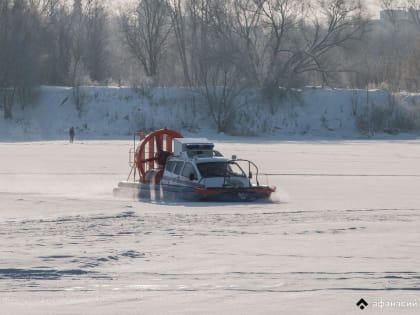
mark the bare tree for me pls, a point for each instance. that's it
(345, 23)
(5, 55)
(217, 72)
(146, 33)
(390, 12)
(78, 48)
(302, 43)
(20, 53)
(247, 26)
(57, 43)
(413, 69)
(281, 19)
(414, 11)
(180, 26)
(220, 91)
(95, 56)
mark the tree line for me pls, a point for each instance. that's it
(218, 47)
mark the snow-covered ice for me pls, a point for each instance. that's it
(344, 225)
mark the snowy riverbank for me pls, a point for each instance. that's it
(112, 112)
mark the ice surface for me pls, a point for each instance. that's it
(345, 226)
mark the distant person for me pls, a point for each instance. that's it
(71, 134)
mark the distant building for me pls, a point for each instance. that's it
(400, 16)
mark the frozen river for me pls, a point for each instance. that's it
(344, 225)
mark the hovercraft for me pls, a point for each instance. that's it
(167, 166)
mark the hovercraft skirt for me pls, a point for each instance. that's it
(163, 192)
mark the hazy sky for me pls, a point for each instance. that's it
(373, 5)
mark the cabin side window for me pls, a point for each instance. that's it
(178, 167)
(170, 166)
(189, 171)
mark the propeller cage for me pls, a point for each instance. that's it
(154, 150)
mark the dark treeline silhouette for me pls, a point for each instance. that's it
(218, 47)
